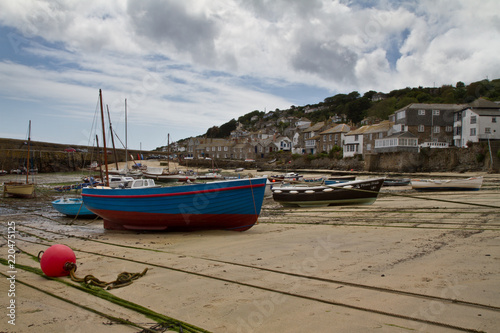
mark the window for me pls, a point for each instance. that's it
(437, 129)
(356, 137)
(435, 112)
(421, 112)
(368, 147)
(472, 132)
(421, 128)
(449, 129)
(401, 115)
(493, 119)
(487, 130)
(473, 119)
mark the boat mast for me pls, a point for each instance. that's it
(104, 139)
(112, 139)
(99, 157)
(126, 137)
(28, 160)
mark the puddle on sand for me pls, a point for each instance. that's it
(38, 205)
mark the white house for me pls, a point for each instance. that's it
(478, 122)
(353, 142)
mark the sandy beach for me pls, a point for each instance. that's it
(409, 262)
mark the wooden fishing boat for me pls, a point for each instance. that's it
(397, 181)
(468, 184)
(357, 192)
(17, 188)
(230, 204)
(72, 207)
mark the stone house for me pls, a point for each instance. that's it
(331, 137)
(430, 123)
(242, 151)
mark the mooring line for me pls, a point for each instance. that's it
(380, 289)
(310, 298)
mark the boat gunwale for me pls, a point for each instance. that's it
(173, 194)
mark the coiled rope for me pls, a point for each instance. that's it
(122, 280)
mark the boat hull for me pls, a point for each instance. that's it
(72, 207)
(469, 184)
(350, 193)
(232, 205)
(20, 190)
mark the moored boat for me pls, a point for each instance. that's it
(339, 179)
(72, 207)
(397, 181)
(230, 204)
(358, 192)
(210, 176)
(21, 189)
(467, 184)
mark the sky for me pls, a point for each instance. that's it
(184, 66)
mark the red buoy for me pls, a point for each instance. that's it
(53, 260)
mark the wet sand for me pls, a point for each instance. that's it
(401, 264)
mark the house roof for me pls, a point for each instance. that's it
(340, 128)
(433, 106)
(383, 126)
(315, 127)
(482, 103)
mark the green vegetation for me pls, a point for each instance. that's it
(355, 107)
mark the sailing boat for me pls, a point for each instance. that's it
(125, 172)
(20, 189)
(164, 174)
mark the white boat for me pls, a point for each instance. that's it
(129, 182)
(468, 184)
(210, 176)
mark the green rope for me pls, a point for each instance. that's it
(122, 280)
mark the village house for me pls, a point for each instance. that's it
(432, 124)
(331, 137)
(302, 123)
(362, 140)
(479, 121)
(243, 151)
(311, 135)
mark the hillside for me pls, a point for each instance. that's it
(353, 107)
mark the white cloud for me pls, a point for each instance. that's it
(194, 56)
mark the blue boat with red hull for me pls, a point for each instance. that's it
(230, 205)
